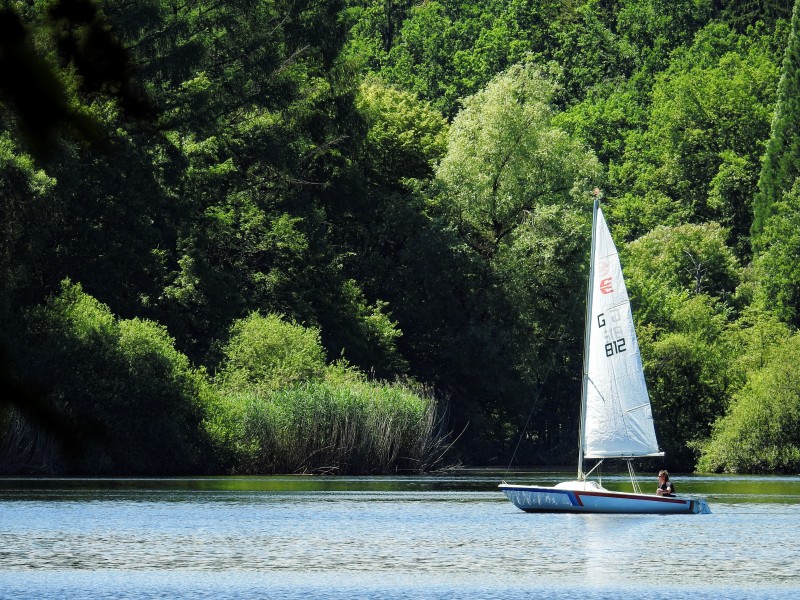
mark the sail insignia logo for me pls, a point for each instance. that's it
(605, 286)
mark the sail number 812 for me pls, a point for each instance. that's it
(615, 347)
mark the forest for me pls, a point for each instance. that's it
(352, 236)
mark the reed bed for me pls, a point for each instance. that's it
(323, 426)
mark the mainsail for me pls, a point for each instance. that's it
(617, 418)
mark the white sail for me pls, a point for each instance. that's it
(618, 420)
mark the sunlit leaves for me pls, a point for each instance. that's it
(266, 353)
(504, 157)
(690, 258)
(406, 137)
(761, 431)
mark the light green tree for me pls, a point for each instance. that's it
(505, 157)
(761, 431)
(265, 353)
(406, 137)
(682, 261)
(517, 187)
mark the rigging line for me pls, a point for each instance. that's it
(634, 481)
(544, 381)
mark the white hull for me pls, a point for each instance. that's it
(598, 500)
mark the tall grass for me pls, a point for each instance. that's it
(280, 409)
(345, 426)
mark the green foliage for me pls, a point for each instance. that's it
(368, 336)
(752, 340)
(281, 164)
(504, 157)
(681, 280)
(266, 353)
(698, 158)
(376, 26)
(24, 194)
(331, 425)
(259, 128)
(447, 50)
(761, 431)
(239, 256)
(515, 185)
(656, 27)
(280, 409)
(420, 60)
(591, 52)
(683, 260)
(139, 399)
(405, 136)
(781, 164)
(537, 270)
(604, 119)
(777, 266)
(688, 378)
(746, 14)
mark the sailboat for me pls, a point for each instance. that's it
(616, 418)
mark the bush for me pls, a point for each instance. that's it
(267, 353)
(138, 400)
(761, 431)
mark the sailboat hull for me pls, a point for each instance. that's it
(598, 500)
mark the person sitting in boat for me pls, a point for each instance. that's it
(665, 487)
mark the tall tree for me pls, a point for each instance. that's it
(777, 266)
(505, 157)
(680, 280)
(782, 161)
(518, 188)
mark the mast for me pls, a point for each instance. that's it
(586, 335)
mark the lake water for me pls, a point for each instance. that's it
(338, 538)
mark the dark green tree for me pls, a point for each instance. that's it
(781, 165)
(657, 27)
(139, 401)
(777, 266)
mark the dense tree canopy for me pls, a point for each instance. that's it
(230, 229)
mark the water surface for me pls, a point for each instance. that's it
(449, 536)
